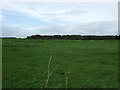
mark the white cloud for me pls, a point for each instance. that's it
(67, 12)
(86, 18)
(63, 0)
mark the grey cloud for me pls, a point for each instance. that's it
(32, 8)
(96, 28)
(15, 31)
(68, 12)
(74, 12)
(103, 28)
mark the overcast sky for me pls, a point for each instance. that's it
(50, 18)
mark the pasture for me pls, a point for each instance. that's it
(74, 63)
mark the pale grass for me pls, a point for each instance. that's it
(103, 84)
(48, 71)
(67, 75)
(66, 80)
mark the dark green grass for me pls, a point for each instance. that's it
(91, 63)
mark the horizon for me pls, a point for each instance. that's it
(59, 35)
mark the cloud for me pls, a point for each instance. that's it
(17, 31)
(75, 12)
(46, 11)
(97, 28)
(66, 12)
(63, 18)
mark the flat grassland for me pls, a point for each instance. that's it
(74, 63)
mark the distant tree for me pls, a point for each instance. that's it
(74, 37)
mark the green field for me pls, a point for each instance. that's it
(74, 63)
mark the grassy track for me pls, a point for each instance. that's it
(89, 63)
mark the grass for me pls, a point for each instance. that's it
(74, 64)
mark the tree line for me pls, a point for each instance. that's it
(75, 37)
